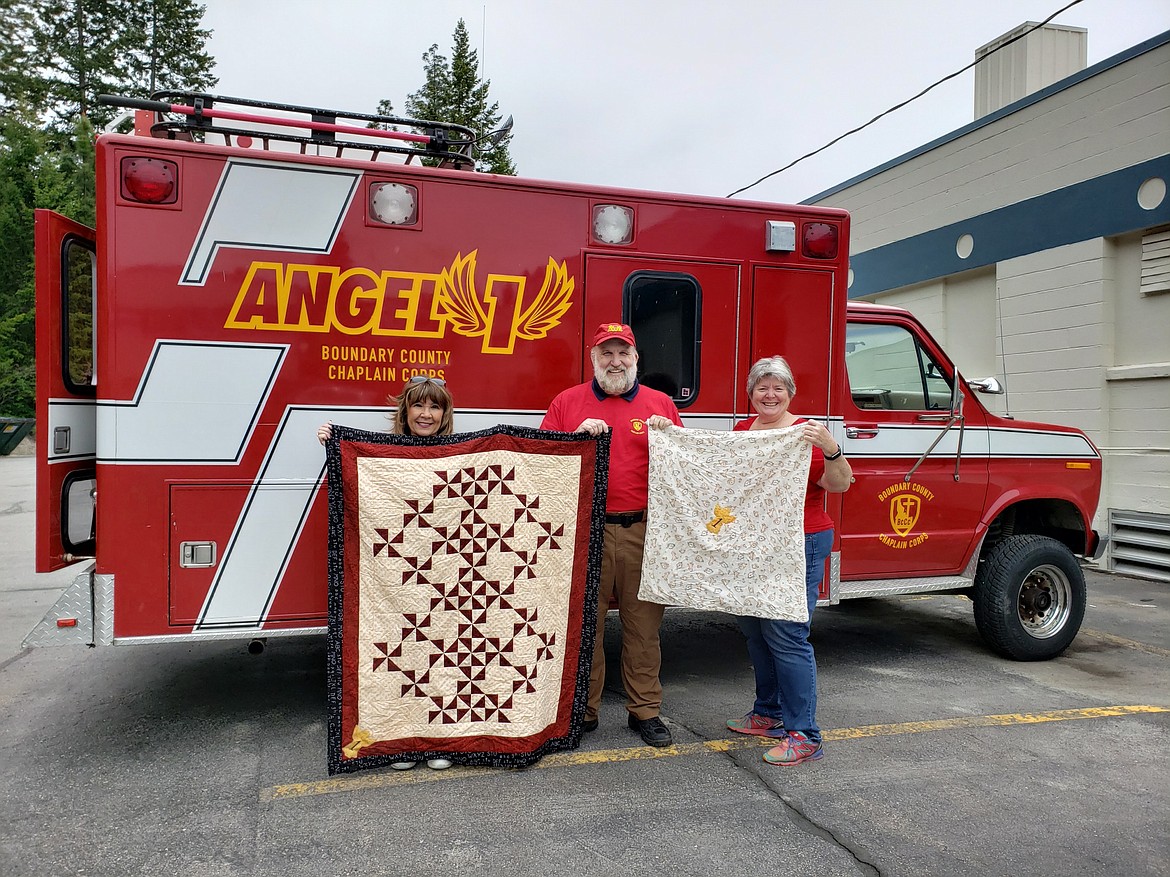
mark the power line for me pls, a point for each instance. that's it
(930, 87)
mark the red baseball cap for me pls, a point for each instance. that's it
(607, 331)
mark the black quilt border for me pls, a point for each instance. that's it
(336, 574)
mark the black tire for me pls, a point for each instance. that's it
(1029, 598)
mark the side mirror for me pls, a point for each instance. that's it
(991, 386)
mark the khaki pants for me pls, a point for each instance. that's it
(621, 574)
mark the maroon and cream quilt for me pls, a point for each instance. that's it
(463, 575)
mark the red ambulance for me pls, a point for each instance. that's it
(258, 269)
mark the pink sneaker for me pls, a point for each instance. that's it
(794, 748)
(754, 723)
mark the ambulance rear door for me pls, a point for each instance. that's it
(66, 410)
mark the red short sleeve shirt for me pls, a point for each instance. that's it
(629, 449)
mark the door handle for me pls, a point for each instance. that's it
(863, 431)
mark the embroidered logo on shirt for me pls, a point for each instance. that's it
(637, 426)
(722, 516)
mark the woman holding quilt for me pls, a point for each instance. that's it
(785, 668)
(424, 407)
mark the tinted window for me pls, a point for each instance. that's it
(663, 310)
(77, 513)
(889, 369)
(78, 276)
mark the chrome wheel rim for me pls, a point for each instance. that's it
(1045, 601)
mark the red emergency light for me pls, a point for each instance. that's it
(150, 180)
(819, 240)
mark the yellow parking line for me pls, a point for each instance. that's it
(636, 753)
(989, 721)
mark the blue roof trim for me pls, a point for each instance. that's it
(1037, 96)
(1100, 207)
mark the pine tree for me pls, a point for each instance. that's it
(453, 92)
(166, 48)
(76, 44)
(56, 56)
(20, 149)
(385, 108)
(84, 48)
(21, 88)
(65, 179)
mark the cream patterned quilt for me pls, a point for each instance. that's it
(725, 522)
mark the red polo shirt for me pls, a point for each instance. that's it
(629, 450)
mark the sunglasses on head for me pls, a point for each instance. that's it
(422, 379)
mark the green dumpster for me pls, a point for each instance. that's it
(12, 431)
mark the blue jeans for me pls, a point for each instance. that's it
(786, 670)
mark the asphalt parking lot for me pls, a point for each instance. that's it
(941, 758)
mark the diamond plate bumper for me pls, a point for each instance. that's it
(82, 615)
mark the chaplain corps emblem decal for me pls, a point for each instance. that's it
(904, 513)
(906, 499)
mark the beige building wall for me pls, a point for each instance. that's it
(1078, 345)
(1110, 121)
(1137, 387)
(1064, 324)
(1055, 337)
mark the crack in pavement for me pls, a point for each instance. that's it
(795, 815)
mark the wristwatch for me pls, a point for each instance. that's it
(840, 451)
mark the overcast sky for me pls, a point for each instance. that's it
(696, 96)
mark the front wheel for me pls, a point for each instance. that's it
(1029, 598)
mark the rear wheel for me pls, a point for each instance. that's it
(1029, 598)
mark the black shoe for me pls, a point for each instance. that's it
(589, 725)
(653, 732)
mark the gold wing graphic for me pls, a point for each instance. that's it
(456, 295)
(556, 297)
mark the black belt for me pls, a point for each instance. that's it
(626, 519)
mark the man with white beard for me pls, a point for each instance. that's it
(615, 400)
